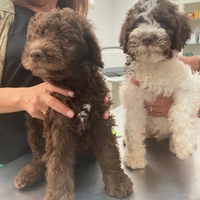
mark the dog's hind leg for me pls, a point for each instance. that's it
(117, 183)
(36, 169)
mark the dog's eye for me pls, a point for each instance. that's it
(162, 25)
(135, 26)
(62, 37)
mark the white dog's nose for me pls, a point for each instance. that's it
(147, 40)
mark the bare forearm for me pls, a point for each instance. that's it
(193, 61)
(10, 100)
(35, 100)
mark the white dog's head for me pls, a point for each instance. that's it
(153, 30)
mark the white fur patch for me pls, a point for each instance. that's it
(159, 71)
(170, 77)
(153, 53)
(82, 116)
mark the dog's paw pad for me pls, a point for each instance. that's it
(134, 162)
(118, 186)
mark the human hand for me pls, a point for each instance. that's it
(106, 113)
(36, 100)
(160, 107)
(192, 61)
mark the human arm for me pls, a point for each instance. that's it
(106, 113)
(35, 100)
(193, 61)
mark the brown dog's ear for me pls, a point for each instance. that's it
(92, 42)
(94, 49)
(182, 33)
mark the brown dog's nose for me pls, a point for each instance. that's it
(147, 40)
(36, 54)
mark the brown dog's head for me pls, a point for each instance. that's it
(58, 42)
(153, 29)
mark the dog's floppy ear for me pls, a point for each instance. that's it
(128, 25)
(91, 42)
(123, 38)
(94, 48)
(183, 31)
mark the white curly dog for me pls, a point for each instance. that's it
(152, 35)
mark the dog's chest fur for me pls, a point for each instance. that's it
(87, 103)
(170, 77)
(156, 78)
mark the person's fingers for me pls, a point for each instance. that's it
(42, 107)
(58, 106)
(157, 114)
(106, 114)
(36, 107)
(156, 111)
(40, 115)
(147, 104)
(64, 92)
(35, 113)
(55, 104)
(135, 81)
(107, 97)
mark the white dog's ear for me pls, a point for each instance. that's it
(129, 24)
(183, 31)
(123, 38)
(182, 25)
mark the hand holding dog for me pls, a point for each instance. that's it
(161, 106)
(36, 100)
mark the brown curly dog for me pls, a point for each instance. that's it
(62, 49)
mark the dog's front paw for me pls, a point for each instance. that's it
(183, 149)
(118, 184)
(58, 196)
(134, 161)
(28, 175)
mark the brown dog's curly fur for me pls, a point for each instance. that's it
(62, 49)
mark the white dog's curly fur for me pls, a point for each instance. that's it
(151, 36)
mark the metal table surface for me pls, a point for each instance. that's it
(164, 178)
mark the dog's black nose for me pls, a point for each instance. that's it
(36, 54)
(147, 40)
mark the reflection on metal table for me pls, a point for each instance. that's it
(164, 178)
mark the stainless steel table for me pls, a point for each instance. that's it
(164, 178)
